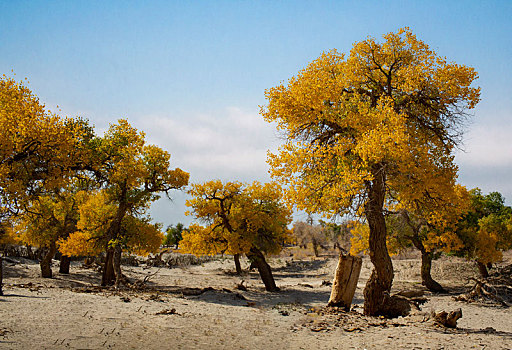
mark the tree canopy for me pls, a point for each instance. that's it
(238, 219)
(38, 149)
(132, 174)
(486, 229)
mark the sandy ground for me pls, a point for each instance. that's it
(199, 307)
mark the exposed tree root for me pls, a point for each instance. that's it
(484, 291)
(447, 319)
(495, 289)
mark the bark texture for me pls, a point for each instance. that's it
(257, 257)
(1, 274)
(448, 319)
(345, 281)
(426, 265)
(46, 262)
(426, 256)
(112, 268)
(237, 264)
(376, 292)
(64, 264)
(117, 264)
(108, 276)
(482, 268)
(426, 275)
(315, 248)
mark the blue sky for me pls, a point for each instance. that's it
(191, 74)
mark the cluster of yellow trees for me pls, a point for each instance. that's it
(63, 186)
(239, 219)
(370, 133)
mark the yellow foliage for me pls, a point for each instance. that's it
(393, 104)
(485, 230)
(238, 217)
(133, 175)
(7, 235)
(78, 244)
(359, 240)
(360, 233)
(51, 216)
(491, 234)
(37, 148)
(137, 235)
(143, 237)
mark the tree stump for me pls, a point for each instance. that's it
(345, 281)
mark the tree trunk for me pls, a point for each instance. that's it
(117, 264)
(426, 276)
(426, 265)
(376, 292)
(64, 264)
(315, 248)
(30, 253)
(345, 281)
(237, 264)
(46, 262)
(112, 269)
(257, 257)
(484, 273)
(108, 276)
(1, 274)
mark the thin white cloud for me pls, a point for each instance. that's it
(487, 145)
(487, 160)
(231, 146)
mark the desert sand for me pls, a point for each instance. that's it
(200, 307)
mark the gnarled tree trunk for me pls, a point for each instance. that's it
(376, 292)
(64, 264)
(482, 268)
(46, 262)
(315, 248)
(426, 276)
(1, 273)
(112, 268)
(117, 264)
(108, 276)
(345, 281)
(237, 264)
(257, 257)
(426, 266)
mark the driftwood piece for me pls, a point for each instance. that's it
(345, 281)
(167, 312)
(447, 319)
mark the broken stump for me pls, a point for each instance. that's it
(345, 281)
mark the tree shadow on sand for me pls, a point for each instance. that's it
(6, 296)
(465, 331)
(254, 298)
(17, 270)
(294, 266)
